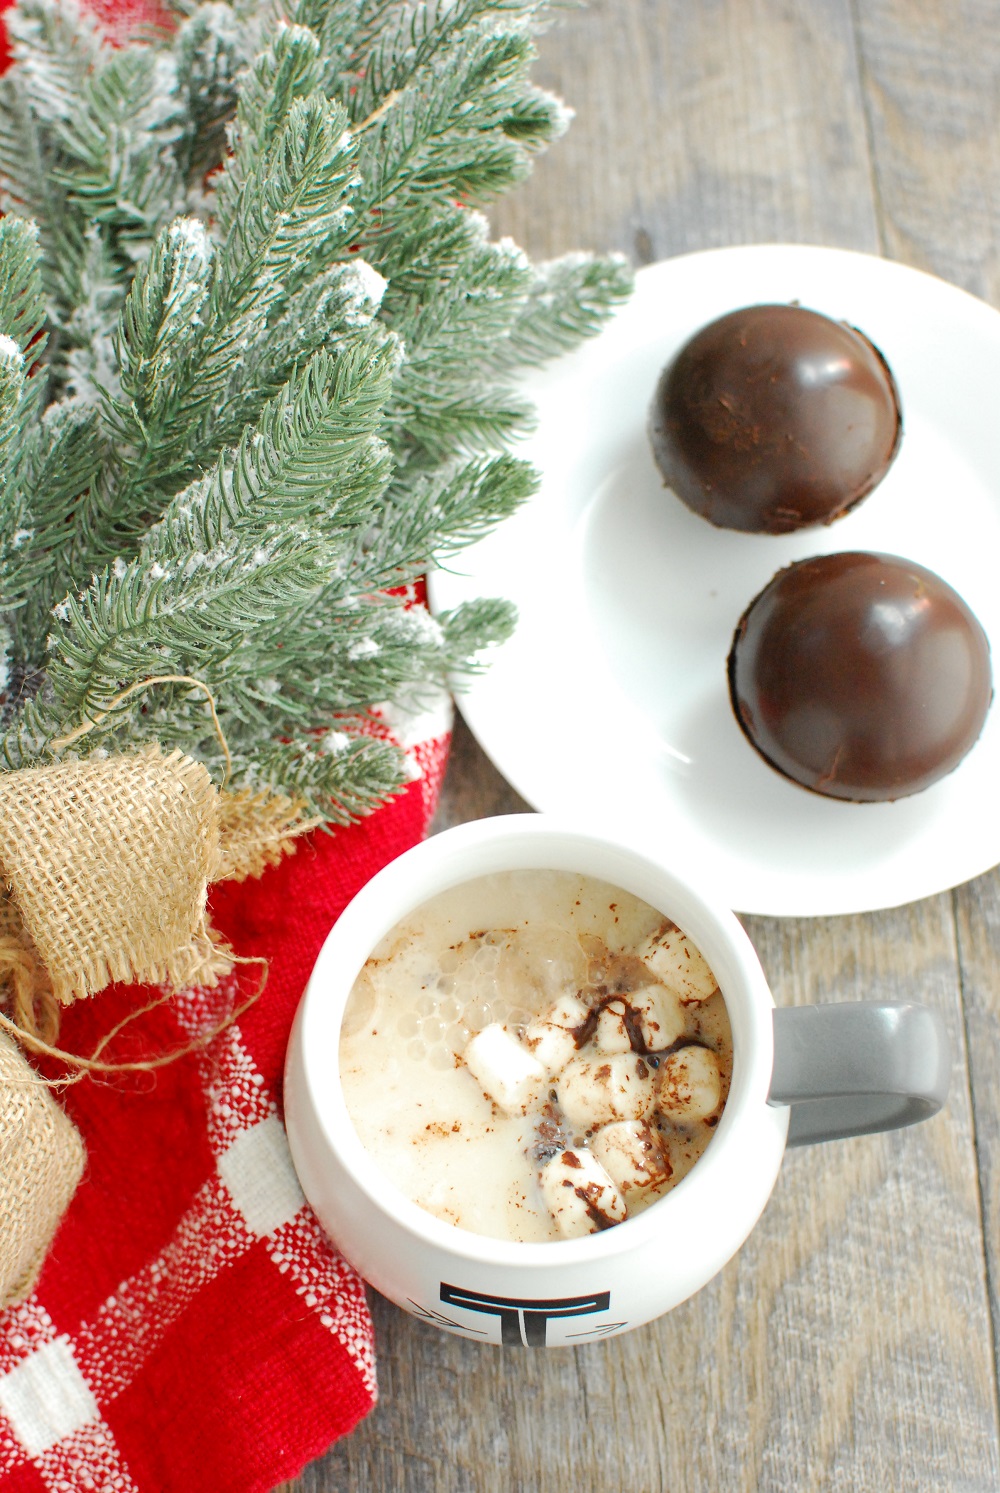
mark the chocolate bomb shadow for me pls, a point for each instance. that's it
(738, 799)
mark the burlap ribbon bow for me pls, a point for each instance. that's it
(104, 875)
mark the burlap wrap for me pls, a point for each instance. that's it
(108, 865)
(41, 1161)
(104, 874)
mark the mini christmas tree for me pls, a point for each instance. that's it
(258, 367)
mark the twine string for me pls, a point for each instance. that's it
(35, 1008)
(94, 1064)
(91, 722)
(33, 1019)
(389, 102)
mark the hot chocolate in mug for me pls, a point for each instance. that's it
(799, 1075)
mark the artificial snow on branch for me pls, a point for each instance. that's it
(258, 367)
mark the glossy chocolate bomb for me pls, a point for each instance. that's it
(861, 676)
(775, 418)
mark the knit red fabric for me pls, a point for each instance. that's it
(192, 1330)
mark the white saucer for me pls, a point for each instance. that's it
(610, 702)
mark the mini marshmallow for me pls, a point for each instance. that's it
(579, 1194)
(689, 1085)
(595, 1091)
(675, 960)
(632, 1154)
(550, 1039)
(508, 1074)
(611, 1033)
(660, 1015)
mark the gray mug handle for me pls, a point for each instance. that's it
(858, 1068)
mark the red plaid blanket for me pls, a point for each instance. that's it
(192, 1329)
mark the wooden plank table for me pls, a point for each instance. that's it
(852, 1345)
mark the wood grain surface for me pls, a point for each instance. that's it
(852, 1345)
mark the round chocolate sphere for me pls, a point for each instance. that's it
(860, 676)
(775, 418)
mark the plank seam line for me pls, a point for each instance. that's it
(865, 82)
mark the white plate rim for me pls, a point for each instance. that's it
(974, 847)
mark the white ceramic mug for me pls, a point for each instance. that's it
(798, 1075)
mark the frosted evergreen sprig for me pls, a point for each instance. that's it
(258, 364)
(287, 214)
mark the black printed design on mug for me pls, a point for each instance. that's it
(426, 1314)
(524, 1320)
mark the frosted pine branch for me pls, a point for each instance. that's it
(258, 366)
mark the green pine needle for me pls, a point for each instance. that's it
(258, 364)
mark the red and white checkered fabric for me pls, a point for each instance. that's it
(192, 1330)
